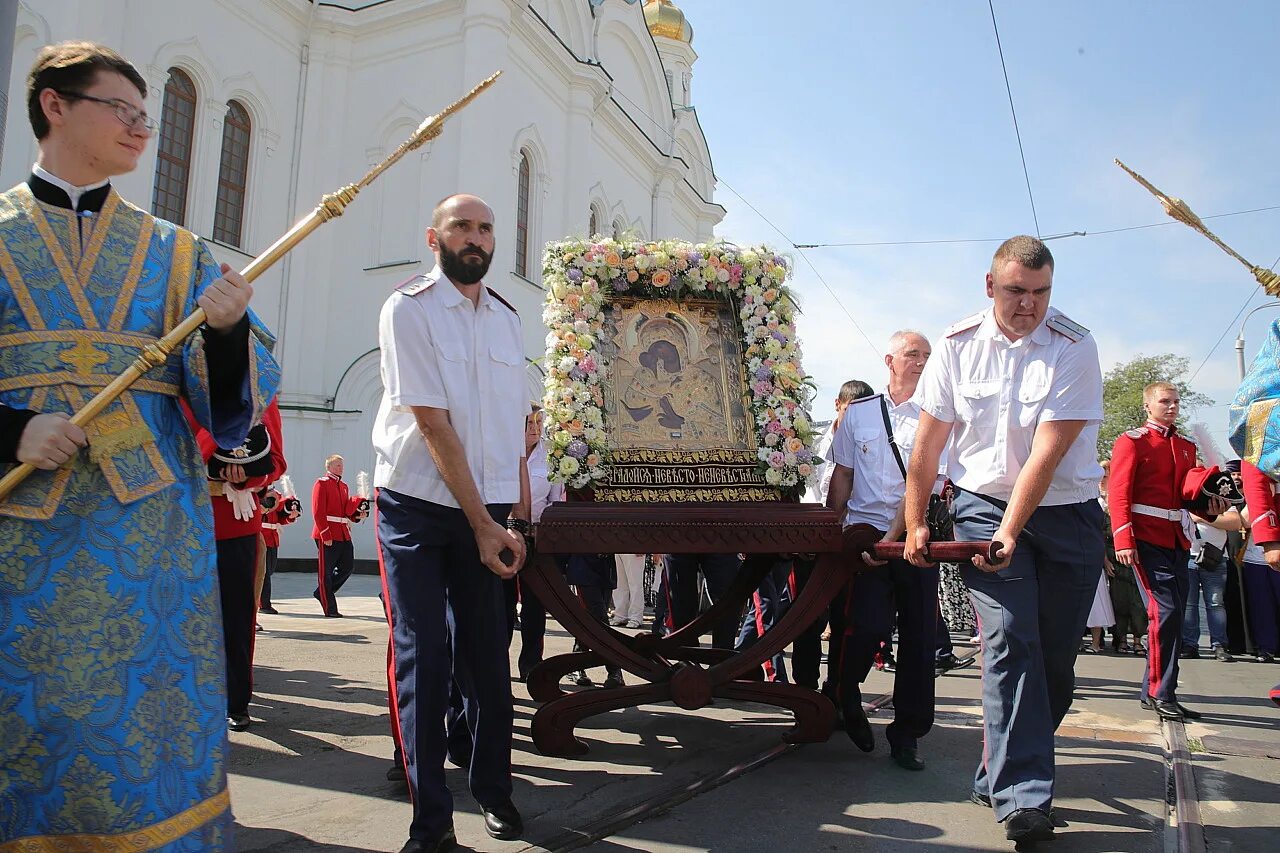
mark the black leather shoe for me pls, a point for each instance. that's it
(1028, 825)
(446, 841)
(858, 727)
(1189, 653)
(238, 722)
(979, 799)
(906, 758)
(613, 679)
(503, 821)
(396, 773)
(1168, 710)
(1187, 713)
(949, 661)
(333, 614)
(1147, 703)
(269, 609)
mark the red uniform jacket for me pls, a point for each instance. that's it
(225, 523)
(1263, 503)
(272, 522)
(1148, 467)
(333, 508)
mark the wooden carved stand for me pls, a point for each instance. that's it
(675, 668)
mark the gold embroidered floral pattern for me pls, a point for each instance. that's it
(20, 748)
(163, 730)
(79, 641)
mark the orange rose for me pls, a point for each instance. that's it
(612, 259)
(633, 276)
(661, 278)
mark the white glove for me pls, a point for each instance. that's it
(243, 503)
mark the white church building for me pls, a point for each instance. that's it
(266, 105)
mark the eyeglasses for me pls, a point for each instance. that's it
(129, 115)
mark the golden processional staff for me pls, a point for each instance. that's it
(331, 205)
(1177, 208)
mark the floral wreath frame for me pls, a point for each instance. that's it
(581, 278)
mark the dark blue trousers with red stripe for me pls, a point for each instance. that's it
(766, 607)
(1162, 572)
(448, 620)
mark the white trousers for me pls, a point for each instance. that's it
(628, 596)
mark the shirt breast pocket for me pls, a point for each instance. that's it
(978, 401)
(453, 351)
(1032, 393)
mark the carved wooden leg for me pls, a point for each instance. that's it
(554, 722)
(815, 715)
(828, 578)
(734, 599)
(544, 679)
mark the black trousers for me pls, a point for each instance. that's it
(237, 561)
(875, 595)
(720, 570)
(806, 651)
(272, 554)
(533, 625)
(335, 564)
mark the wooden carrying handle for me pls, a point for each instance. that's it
(940, 552)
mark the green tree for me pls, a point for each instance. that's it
(1122, 394)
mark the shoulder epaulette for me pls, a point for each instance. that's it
(963, 326)
(498, 296)
(1068, 328)
(415, 285)
(1136, 433)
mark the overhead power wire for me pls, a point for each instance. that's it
(1234, 321)
(1014, 112)
(1050, 237)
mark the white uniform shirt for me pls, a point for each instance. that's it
(541, 490)
(997, 392)
(440, 351)
(817, 493)
(1206, 533)
(862, 444)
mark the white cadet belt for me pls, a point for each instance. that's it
(269, 526)
(338, 518)
(1158, 512)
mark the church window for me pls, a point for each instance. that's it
(593, 224)
(233, 173)
(522, 215)
(618, 228)
(173, 152)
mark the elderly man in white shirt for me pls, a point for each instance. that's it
(868, 485)
(1015, 391)
(449, 439)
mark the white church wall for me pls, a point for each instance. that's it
(323, 115)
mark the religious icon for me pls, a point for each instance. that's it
(677, 378)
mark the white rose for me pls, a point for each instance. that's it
(773, 476)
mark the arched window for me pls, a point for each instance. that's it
(593, 224)
(522, 216)
(233, 174)
(173, 160)
(618, 228)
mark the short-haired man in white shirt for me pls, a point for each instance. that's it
(867, 485)
(449, 438)
(1015, 392)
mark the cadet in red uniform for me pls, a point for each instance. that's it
(284, 511)
(237, 521)
(333, 509)
(1262, 582)
(1149, 466)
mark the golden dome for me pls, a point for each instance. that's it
(666, 20)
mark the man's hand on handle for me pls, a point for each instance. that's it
(1005, 545)
(915, 550)
(49, 440)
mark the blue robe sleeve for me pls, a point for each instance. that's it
(229, 399)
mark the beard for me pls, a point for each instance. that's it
(467, 266)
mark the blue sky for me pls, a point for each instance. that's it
(865, 122)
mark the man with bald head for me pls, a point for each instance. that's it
(451, 484)
(868, 484)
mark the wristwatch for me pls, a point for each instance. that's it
(520, 526)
